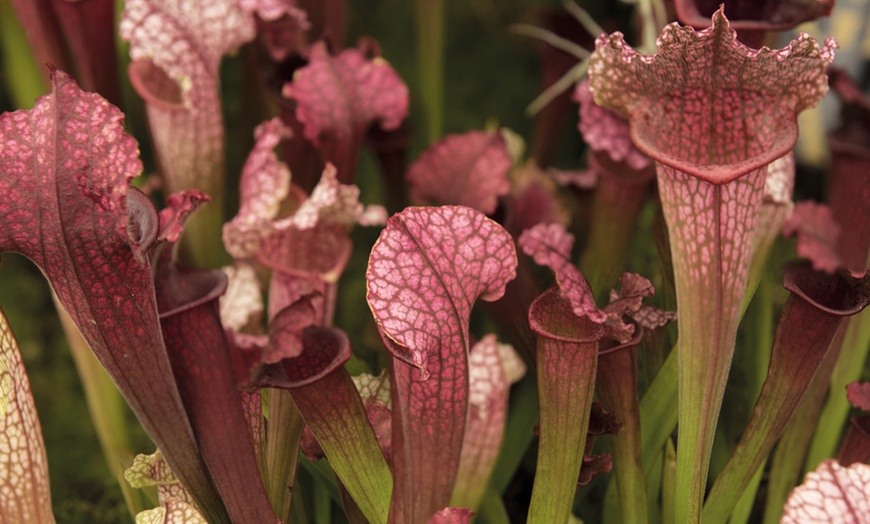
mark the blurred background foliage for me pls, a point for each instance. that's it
(490, 76)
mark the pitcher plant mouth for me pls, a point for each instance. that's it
(421, 412)
(713, 114)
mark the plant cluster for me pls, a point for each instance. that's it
(285, 363)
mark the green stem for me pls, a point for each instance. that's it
(615, 209)
(711, 258)
(617, 390)
(567, 359)
(21, 72)
(282, 450)
(333, 410)
(108, 411)
(430, 63)
(669, 472)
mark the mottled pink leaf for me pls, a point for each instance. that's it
(333, 203)
(176, 47)
(264, 184)
(489, 385)
(425, 272)
(171, 512)
(179, 207)
(831, 493)
(817, 234)
(452, 516)
(24, 489)
(713, 114)
(281, 25)
(727, 111)
(242, 304)
(550, 245)
(468, 170)
(64, 203)
(607, 131)
(338, 97)
(858, 394)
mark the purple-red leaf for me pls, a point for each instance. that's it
(64, 203)
(176, 47)
(765, 15)
(468, 170)
(338, 97)
(425, 272)
(203, 368)
(831, 493)
(817, 234)
(858, 394)
(281, 24)
(452, 516)
(24, 496)
(567, 359)
(849, 173)
(550, 245)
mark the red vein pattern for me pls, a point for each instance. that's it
(24, 489)
(725, 112)
(176, 47)
(831, 493)
(425, 272)
(467, 170)
(64, 203)
(713, 113)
